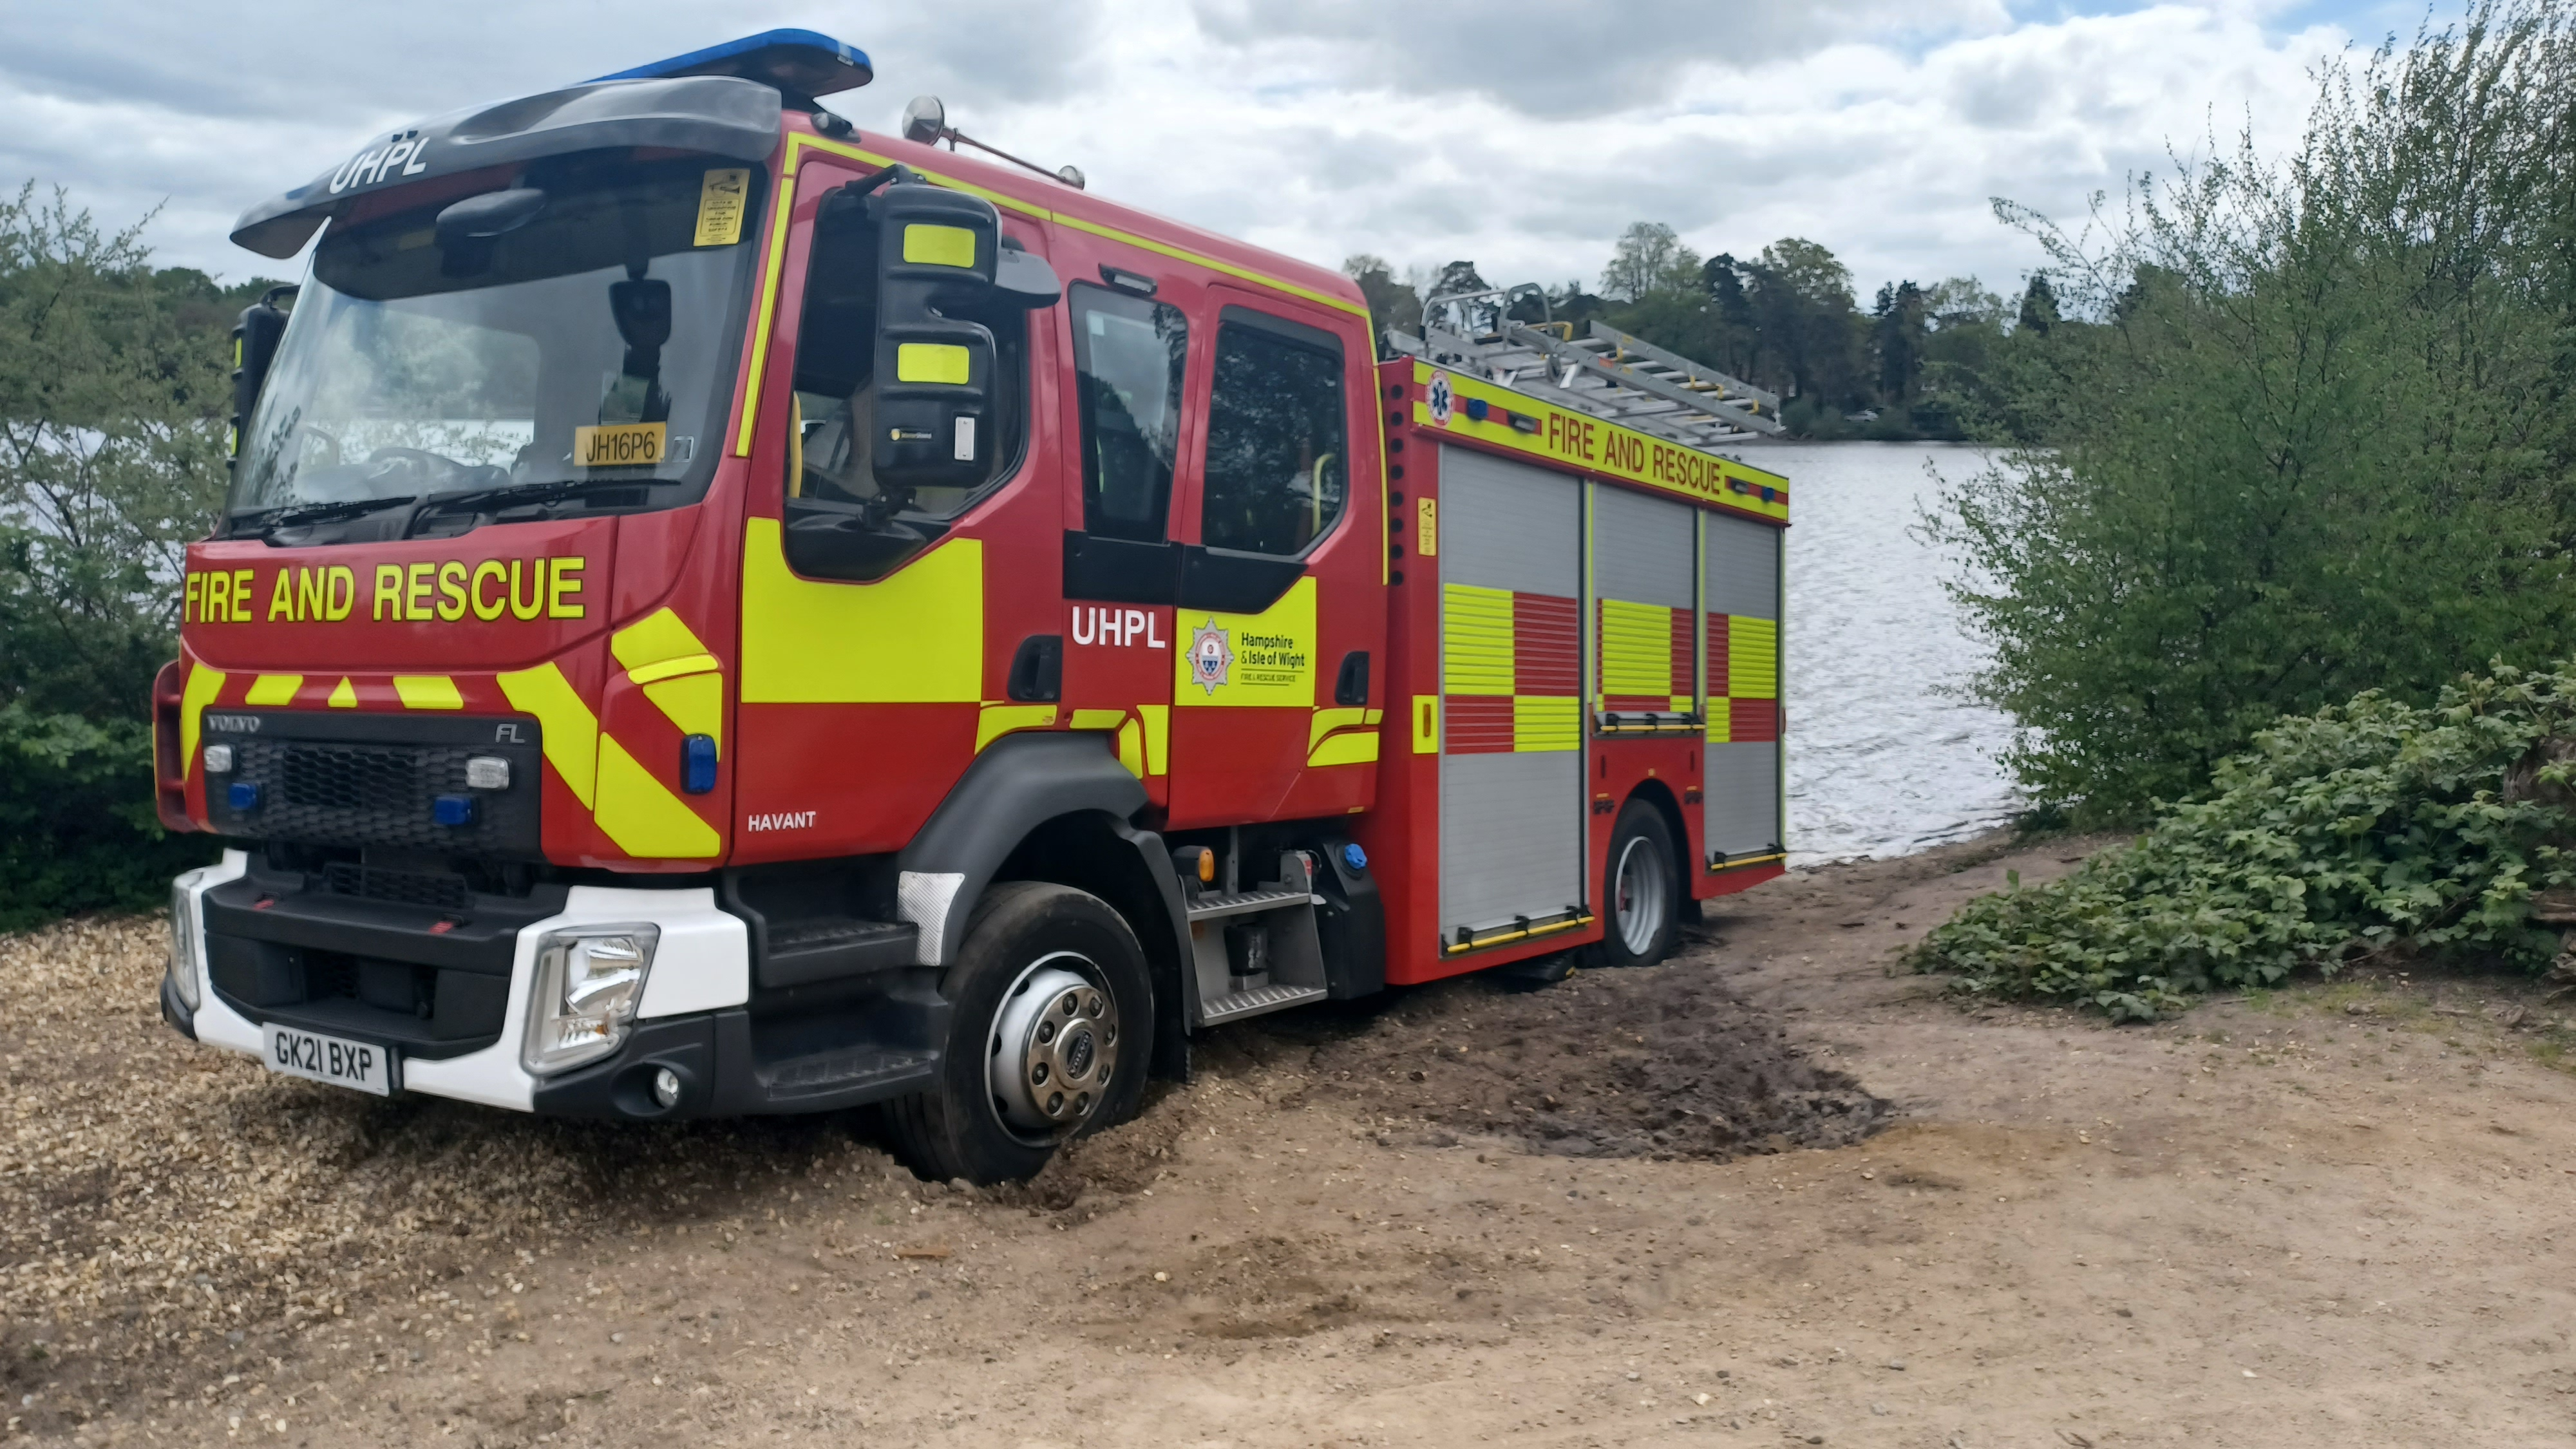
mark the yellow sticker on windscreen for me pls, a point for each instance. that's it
(619, 445)
(721, 198)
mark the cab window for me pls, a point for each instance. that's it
(1276, 456)
(1128, 353)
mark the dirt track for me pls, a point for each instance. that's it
(2336, 1215)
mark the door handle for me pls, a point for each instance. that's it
(1351, 686)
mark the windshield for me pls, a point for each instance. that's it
(579, 327)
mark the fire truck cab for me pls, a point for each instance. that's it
(719, 612)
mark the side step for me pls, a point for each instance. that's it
(1255, 1001)
(1257, 951)
(822, 948)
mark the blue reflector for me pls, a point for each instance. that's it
(452, 810)
(802, 63)
(698, 764)
(1354, 857)
(242, 795)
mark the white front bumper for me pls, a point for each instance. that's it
(702, 964)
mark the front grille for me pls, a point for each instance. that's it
(404, 887)
(374, 781)
(338, 777)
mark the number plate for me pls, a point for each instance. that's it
(620, 445)
(319, 1058)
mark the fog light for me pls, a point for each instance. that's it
(219, 759)
(449, 810)
(666, 1087)
(487, 772)
(588, 984)
(242, 795)
(698, 764)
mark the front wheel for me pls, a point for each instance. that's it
(1640, 890)
(1052, 1027)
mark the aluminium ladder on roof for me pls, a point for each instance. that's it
(1606, 373)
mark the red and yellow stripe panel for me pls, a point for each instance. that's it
(1511, 666)
(1744, 655)
(1646, 664)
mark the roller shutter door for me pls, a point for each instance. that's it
(1742, 583)
(1511, 763)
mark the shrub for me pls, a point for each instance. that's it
(2342, 834)
(76, 832)
(2304, 431)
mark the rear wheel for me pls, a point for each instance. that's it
(1640, 890)
(1053, 1018)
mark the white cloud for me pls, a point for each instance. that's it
(1524, 134)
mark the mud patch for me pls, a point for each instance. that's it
(1658, 1062)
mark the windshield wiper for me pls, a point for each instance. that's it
(520, 495)
(295, 517)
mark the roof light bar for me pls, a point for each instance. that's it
(803, 64)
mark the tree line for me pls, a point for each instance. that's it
(1913, 365)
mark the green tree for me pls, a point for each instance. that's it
(2306, 424)
(1391, 303)
(112, 400)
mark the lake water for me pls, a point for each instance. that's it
(1883, 759)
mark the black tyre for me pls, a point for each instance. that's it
(1052, 1027)
(1640, 889)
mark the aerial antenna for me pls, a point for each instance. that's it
(926, 121)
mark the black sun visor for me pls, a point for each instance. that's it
(712, 114)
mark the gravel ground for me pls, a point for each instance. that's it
(1774, 1191)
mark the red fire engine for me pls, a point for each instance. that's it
(722, 613)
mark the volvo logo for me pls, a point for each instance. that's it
(247, 724)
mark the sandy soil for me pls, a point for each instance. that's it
(1773, 1192)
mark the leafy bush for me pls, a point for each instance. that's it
(76, 831)
(2357, 829)
(2304, 430)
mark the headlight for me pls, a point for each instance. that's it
(183, 938)
(589, 982)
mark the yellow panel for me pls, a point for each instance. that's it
(1476, 654)
(343, 695)
(674, 668)
(203, 686)
(693, 702)
(1131, 748)
(1426, 530)
(1328, 720)
(1157, 719)
(914, 637)
(1352, 747)
(1721, 724)
(1098, 719)
(1545, 723)
(571, 731)
(998, 720)
(641, 814)
(274, 689)
(1264, 660)
(1426, 724)
(932, 362)
(427, 691)
(1752, 657)
(1636, 648)
(656, 637)
(939, 246)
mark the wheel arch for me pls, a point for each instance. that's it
(1656, 793)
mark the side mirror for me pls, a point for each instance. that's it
(936, 255)
(255, 339)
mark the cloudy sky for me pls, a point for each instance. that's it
(1524, 134)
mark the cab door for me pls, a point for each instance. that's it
(1277, 684)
